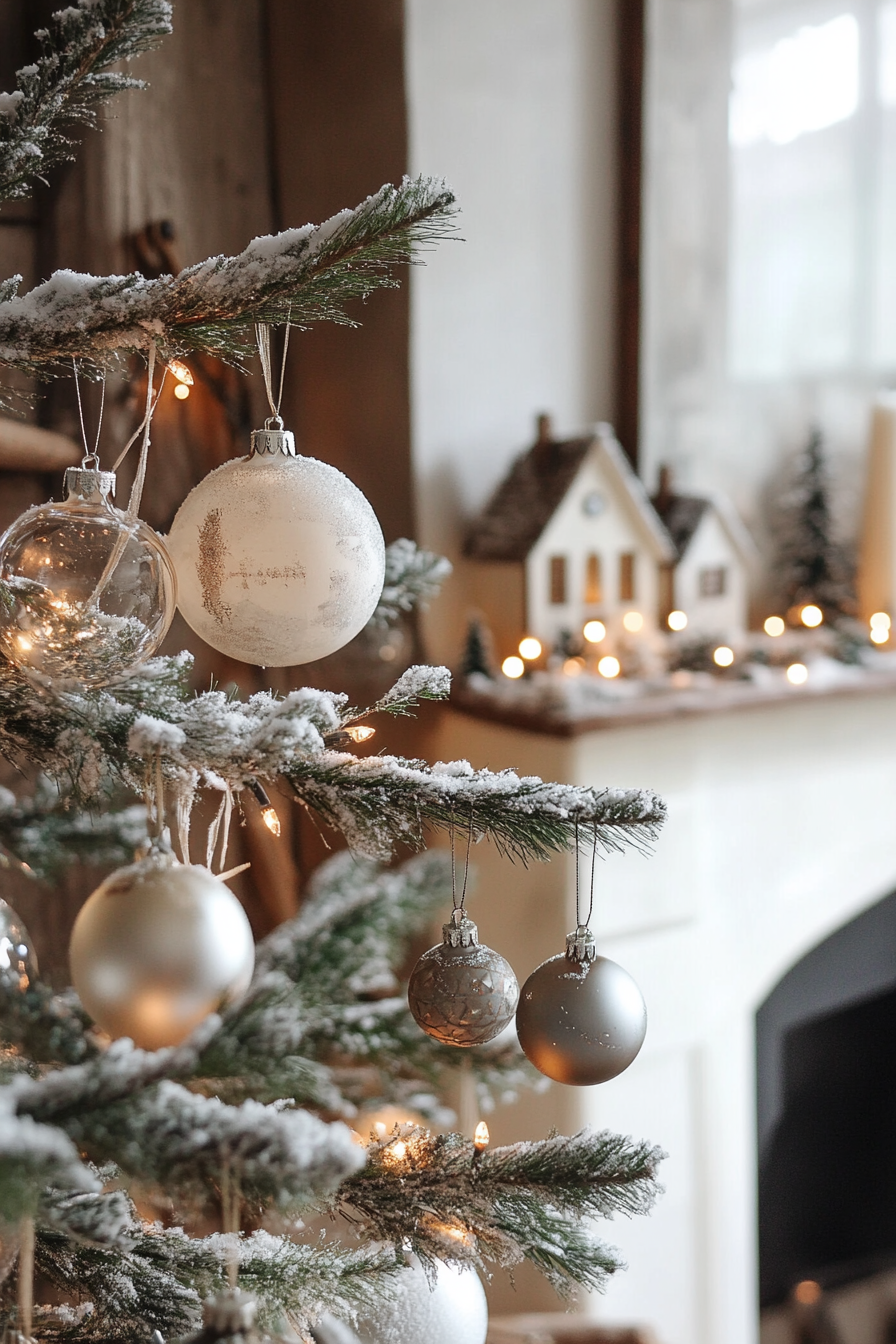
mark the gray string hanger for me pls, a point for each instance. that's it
(90, 460)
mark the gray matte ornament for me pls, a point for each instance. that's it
(460, 991)
(581, 1018)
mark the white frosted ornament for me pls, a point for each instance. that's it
(87, 592)
(159, 946)
(280, 559)
(452, 1311)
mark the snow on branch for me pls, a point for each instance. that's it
(299, 276)
(377, 800)
(142, 1286)
(186, 1142)
(67, 82)
(413, 578)
(32, 1157)
(529, 1201)
(93, 741)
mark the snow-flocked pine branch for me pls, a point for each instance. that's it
(69, 80)
(299, 276)
(438, 1196)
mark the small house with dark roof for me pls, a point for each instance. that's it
(714, 556)
(568, 537)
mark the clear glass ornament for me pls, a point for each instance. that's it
(18, 963)
(86, 593)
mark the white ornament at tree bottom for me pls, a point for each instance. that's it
(280, 559)
(453, 1310)
(157, 947)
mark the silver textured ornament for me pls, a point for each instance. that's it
(581, 1017)
(157, 947)
(228, 1316)
(18, 963)
(280, 559)
(460, 991)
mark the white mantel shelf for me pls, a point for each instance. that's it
(781, 828)
(724, 697)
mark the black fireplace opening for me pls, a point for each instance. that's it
(826, 1093)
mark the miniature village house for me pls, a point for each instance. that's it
(570, 536)
(710, 580)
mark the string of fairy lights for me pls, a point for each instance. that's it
(531, 651)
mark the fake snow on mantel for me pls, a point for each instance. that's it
(551, 701)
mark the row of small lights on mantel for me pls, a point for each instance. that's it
(811, 616)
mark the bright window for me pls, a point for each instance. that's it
(812, 131)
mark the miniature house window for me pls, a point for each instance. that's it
(713, 581)
(593, 591)
(627, 576)
(558, 579)
(593, 504)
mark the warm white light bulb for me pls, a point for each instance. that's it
(573, 667)
(481, 1136)
(676, 620)
(181, 391)
(513, 667)
(797, 674)
(723, 656)
(530, 647)
(879, 635)
(360, 732)
(270, 819)
(811, 615)
(633, 622)
(773, 626)
(180, 371)
(609, 667)
(879, 621)
(594, 631)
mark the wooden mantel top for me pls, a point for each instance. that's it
(726, 697)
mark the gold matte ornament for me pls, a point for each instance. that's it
(157, 947)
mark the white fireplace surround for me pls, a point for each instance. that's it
(780, 829)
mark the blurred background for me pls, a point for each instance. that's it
(678, 220)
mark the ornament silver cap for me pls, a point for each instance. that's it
(231, 1312)
(461, 931)
(89, 484)
(580, 946)
(273, 439)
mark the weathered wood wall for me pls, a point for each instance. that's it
(258, 116)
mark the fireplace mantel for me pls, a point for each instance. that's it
(780, 829)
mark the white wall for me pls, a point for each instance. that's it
(513, 101)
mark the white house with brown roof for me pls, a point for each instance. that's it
(715, 554)
(569, 536)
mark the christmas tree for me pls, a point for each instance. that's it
(812, 566)
(172, 1145)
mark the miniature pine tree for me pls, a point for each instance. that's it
(476, 658)
(116, 1163)
(812, 565)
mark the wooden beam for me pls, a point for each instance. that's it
(630, 20)
(25, 447)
